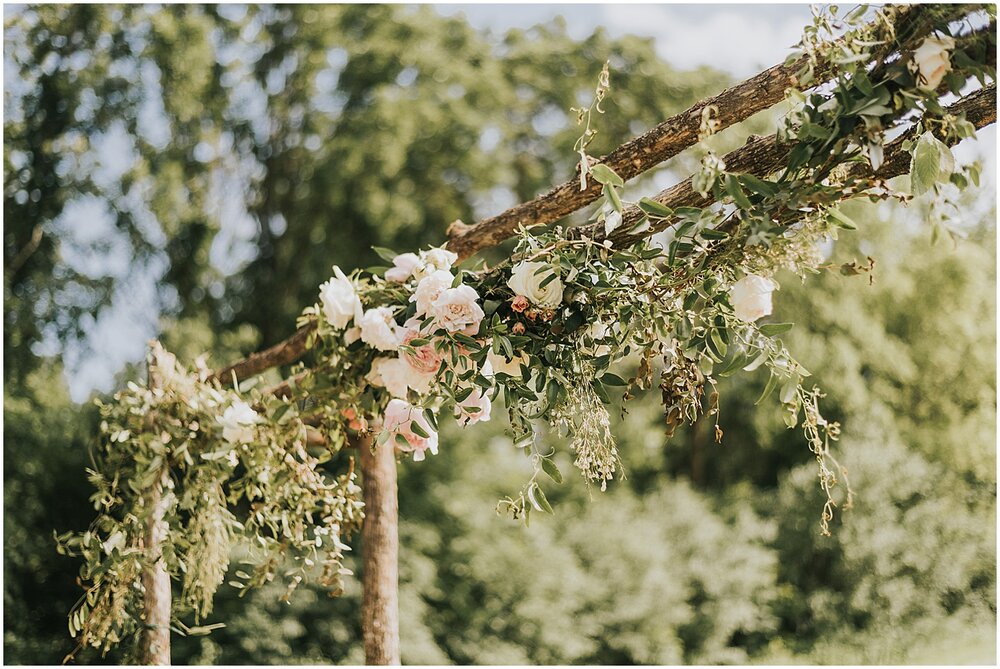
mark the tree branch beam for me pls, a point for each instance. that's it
(668, 139)
(762, 156)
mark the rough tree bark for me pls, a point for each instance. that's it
(282, 353)
(380, 536)
(154, 643)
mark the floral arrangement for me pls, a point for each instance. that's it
(575, 320)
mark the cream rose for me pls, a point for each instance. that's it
(435, 259)
(405, 420)
(429, 288)
(457, 310)
(237, 422)
(379, 330)
(931, 61)
(340, 302)
(404, 266)
(397, 376)
(527, 278)
(751, 297)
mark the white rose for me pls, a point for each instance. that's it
(598, 331)
(751, 297)
(237, 422)
(400, 418)
(429, 288)
(404, 266)
(435, 259)
(931, 61)
(527, 278)
(397, 376)
(340, 302)
(379, 329)
(457, 309)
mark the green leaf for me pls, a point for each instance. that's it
(708, 233)
(926, 165)
(613, 198)
(507, 348)
(468, 341)
(758, 361)
(841, 220)
(736, 192)
(418, 430)
(788, 390)
(280, 412)
(601, 391)
(655, 209)
(759, 186)
(553, 472)
(768, 389)
(610, 379)
(734, 365)
(775, 328)
(605, 175)
(538, 500)
(552, 392)
(716, 345)
(385, 254)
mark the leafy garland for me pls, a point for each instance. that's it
(395, 348)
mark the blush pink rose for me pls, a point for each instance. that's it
(424, 358)
(475, 408)
(353, 421)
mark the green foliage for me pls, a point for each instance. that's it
(206, 453)
(46, 442)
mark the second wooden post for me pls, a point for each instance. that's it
(380, 537)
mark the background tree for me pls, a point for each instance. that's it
(343, 127)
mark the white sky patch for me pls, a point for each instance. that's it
(738, 40)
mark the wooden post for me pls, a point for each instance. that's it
(154, 643)
(380, 535)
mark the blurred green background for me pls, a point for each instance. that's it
(193, 173)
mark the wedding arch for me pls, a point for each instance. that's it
(672, 286)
